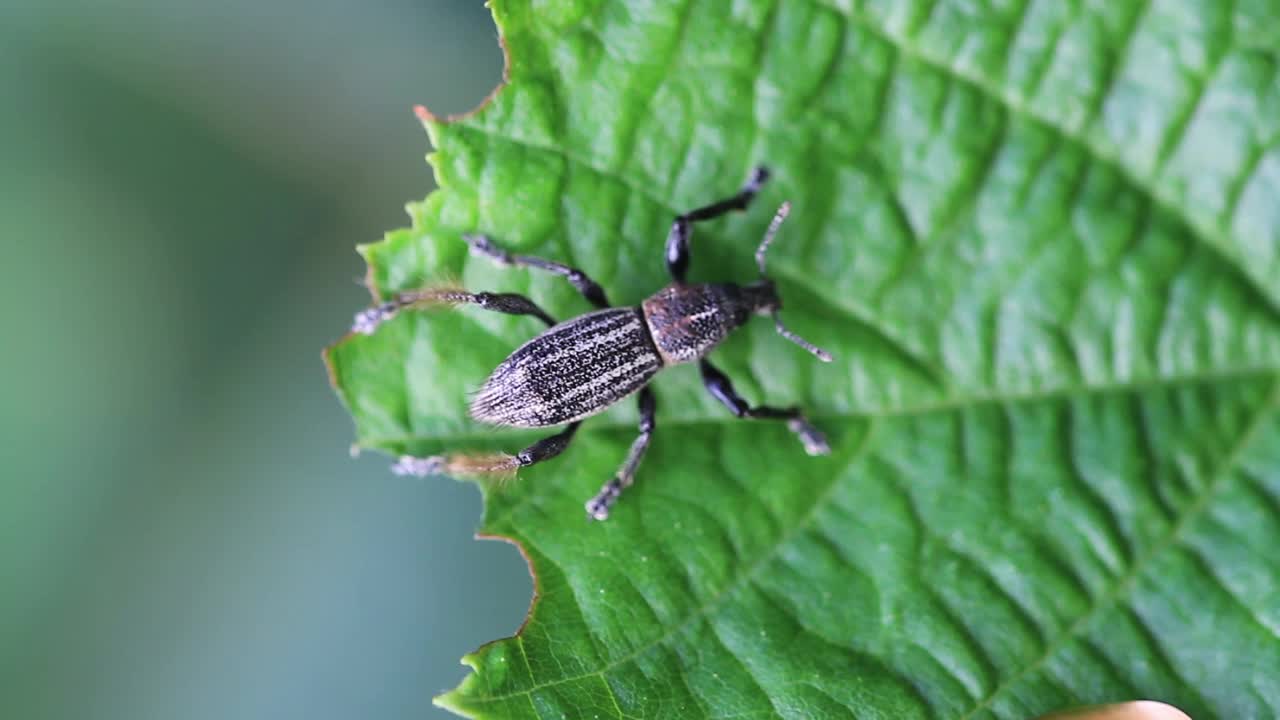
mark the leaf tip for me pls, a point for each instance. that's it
(462, 699)
(331, 367)
(366, 252)
(425, 115)
(452, 702)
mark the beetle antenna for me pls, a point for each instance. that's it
(778, 217)
(816, 351)
(769, 235)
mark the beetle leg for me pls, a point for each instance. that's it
(717, 383)
(549, 447)
(598, 506)
(367, 321)
(682, 228)
(486, 463)
(590, 289)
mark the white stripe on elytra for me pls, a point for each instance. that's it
(588, 344)
(567, 335)
(606, 379)
(497, 396)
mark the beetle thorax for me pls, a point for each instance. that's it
(687, 321)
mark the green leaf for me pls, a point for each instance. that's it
(1042, 239)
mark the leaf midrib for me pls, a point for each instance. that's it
(1243, 373)
(1119, 389)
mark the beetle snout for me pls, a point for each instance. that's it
(763, 297)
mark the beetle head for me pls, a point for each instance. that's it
(761, 297)
(765, 297)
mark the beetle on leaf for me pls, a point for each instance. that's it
(582, 366)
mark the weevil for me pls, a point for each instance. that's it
(582, 366)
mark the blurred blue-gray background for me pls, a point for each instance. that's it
(182, 532)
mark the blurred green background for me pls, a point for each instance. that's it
(182, 532)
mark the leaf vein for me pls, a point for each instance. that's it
(706, 610)
(780, 267)
(1214, 238)
(1220, 477)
